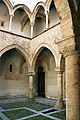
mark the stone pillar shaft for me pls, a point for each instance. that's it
(31, 76)
(72, 87)
(46, 20)
(31, 31)
(59, 103)
(60, 85)
(10, 24)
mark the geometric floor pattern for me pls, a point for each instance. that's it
(36, 113)
(46, 113)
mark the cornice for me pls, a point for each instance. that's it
(65, 38)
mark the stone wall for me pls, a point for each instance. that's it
(31, 47)
(13, 82)
(28, 48)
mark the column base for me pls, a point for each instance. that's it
(31, 99)
(60, 105)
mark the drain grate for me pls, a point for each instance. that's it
(48, 111)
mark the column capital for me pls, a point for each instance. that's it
(32, 21)
(69, 51)
(46, 12)
(11, 13)
(31, 73)
(58, 70)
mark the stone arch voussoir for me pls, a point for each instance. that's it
(25, 8)
(37, 7)
(9, 5)
(37, 52)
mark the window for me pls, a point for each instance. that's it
(2, 23)
(11, 67)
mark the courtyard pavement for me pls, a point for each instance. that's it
(44, 101)
(40, 100)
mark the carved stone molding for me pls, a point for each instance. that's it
(69, 51)
(63, 39)
(58, 70)
(31, 73)
(12, 13)
(32, 21)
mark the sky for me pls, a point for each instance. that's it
(29, 3)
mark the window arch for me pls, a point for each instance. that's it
(11, 67)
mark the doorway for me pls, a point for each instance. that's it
(41, 82)
(45, 81)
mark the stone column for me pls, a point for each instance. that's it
(32, 29)
(10, 22)
(31, 76)
(47, 19)
(59, 103)
(72, 68)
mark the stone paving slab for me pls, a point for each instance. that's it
(1, 108)
(3, 116)
(53, 118)
(44, 101)
(39, 100)
(36, 113)
(12, 100)
(56, 111)
(28, 117)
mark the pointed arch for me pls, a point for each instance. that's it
(24, 21)
(39, 49)
(48, 3)
(37, 7)
(20, 49)
(9, 5)
(42, 16)
(65, 15)
(58, 4)
(24, 7)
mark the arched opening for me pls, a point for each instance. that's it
(4, 16)
(40, 21)
(13, 74)
(53, 15)
(21, 23)
(45, 81)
